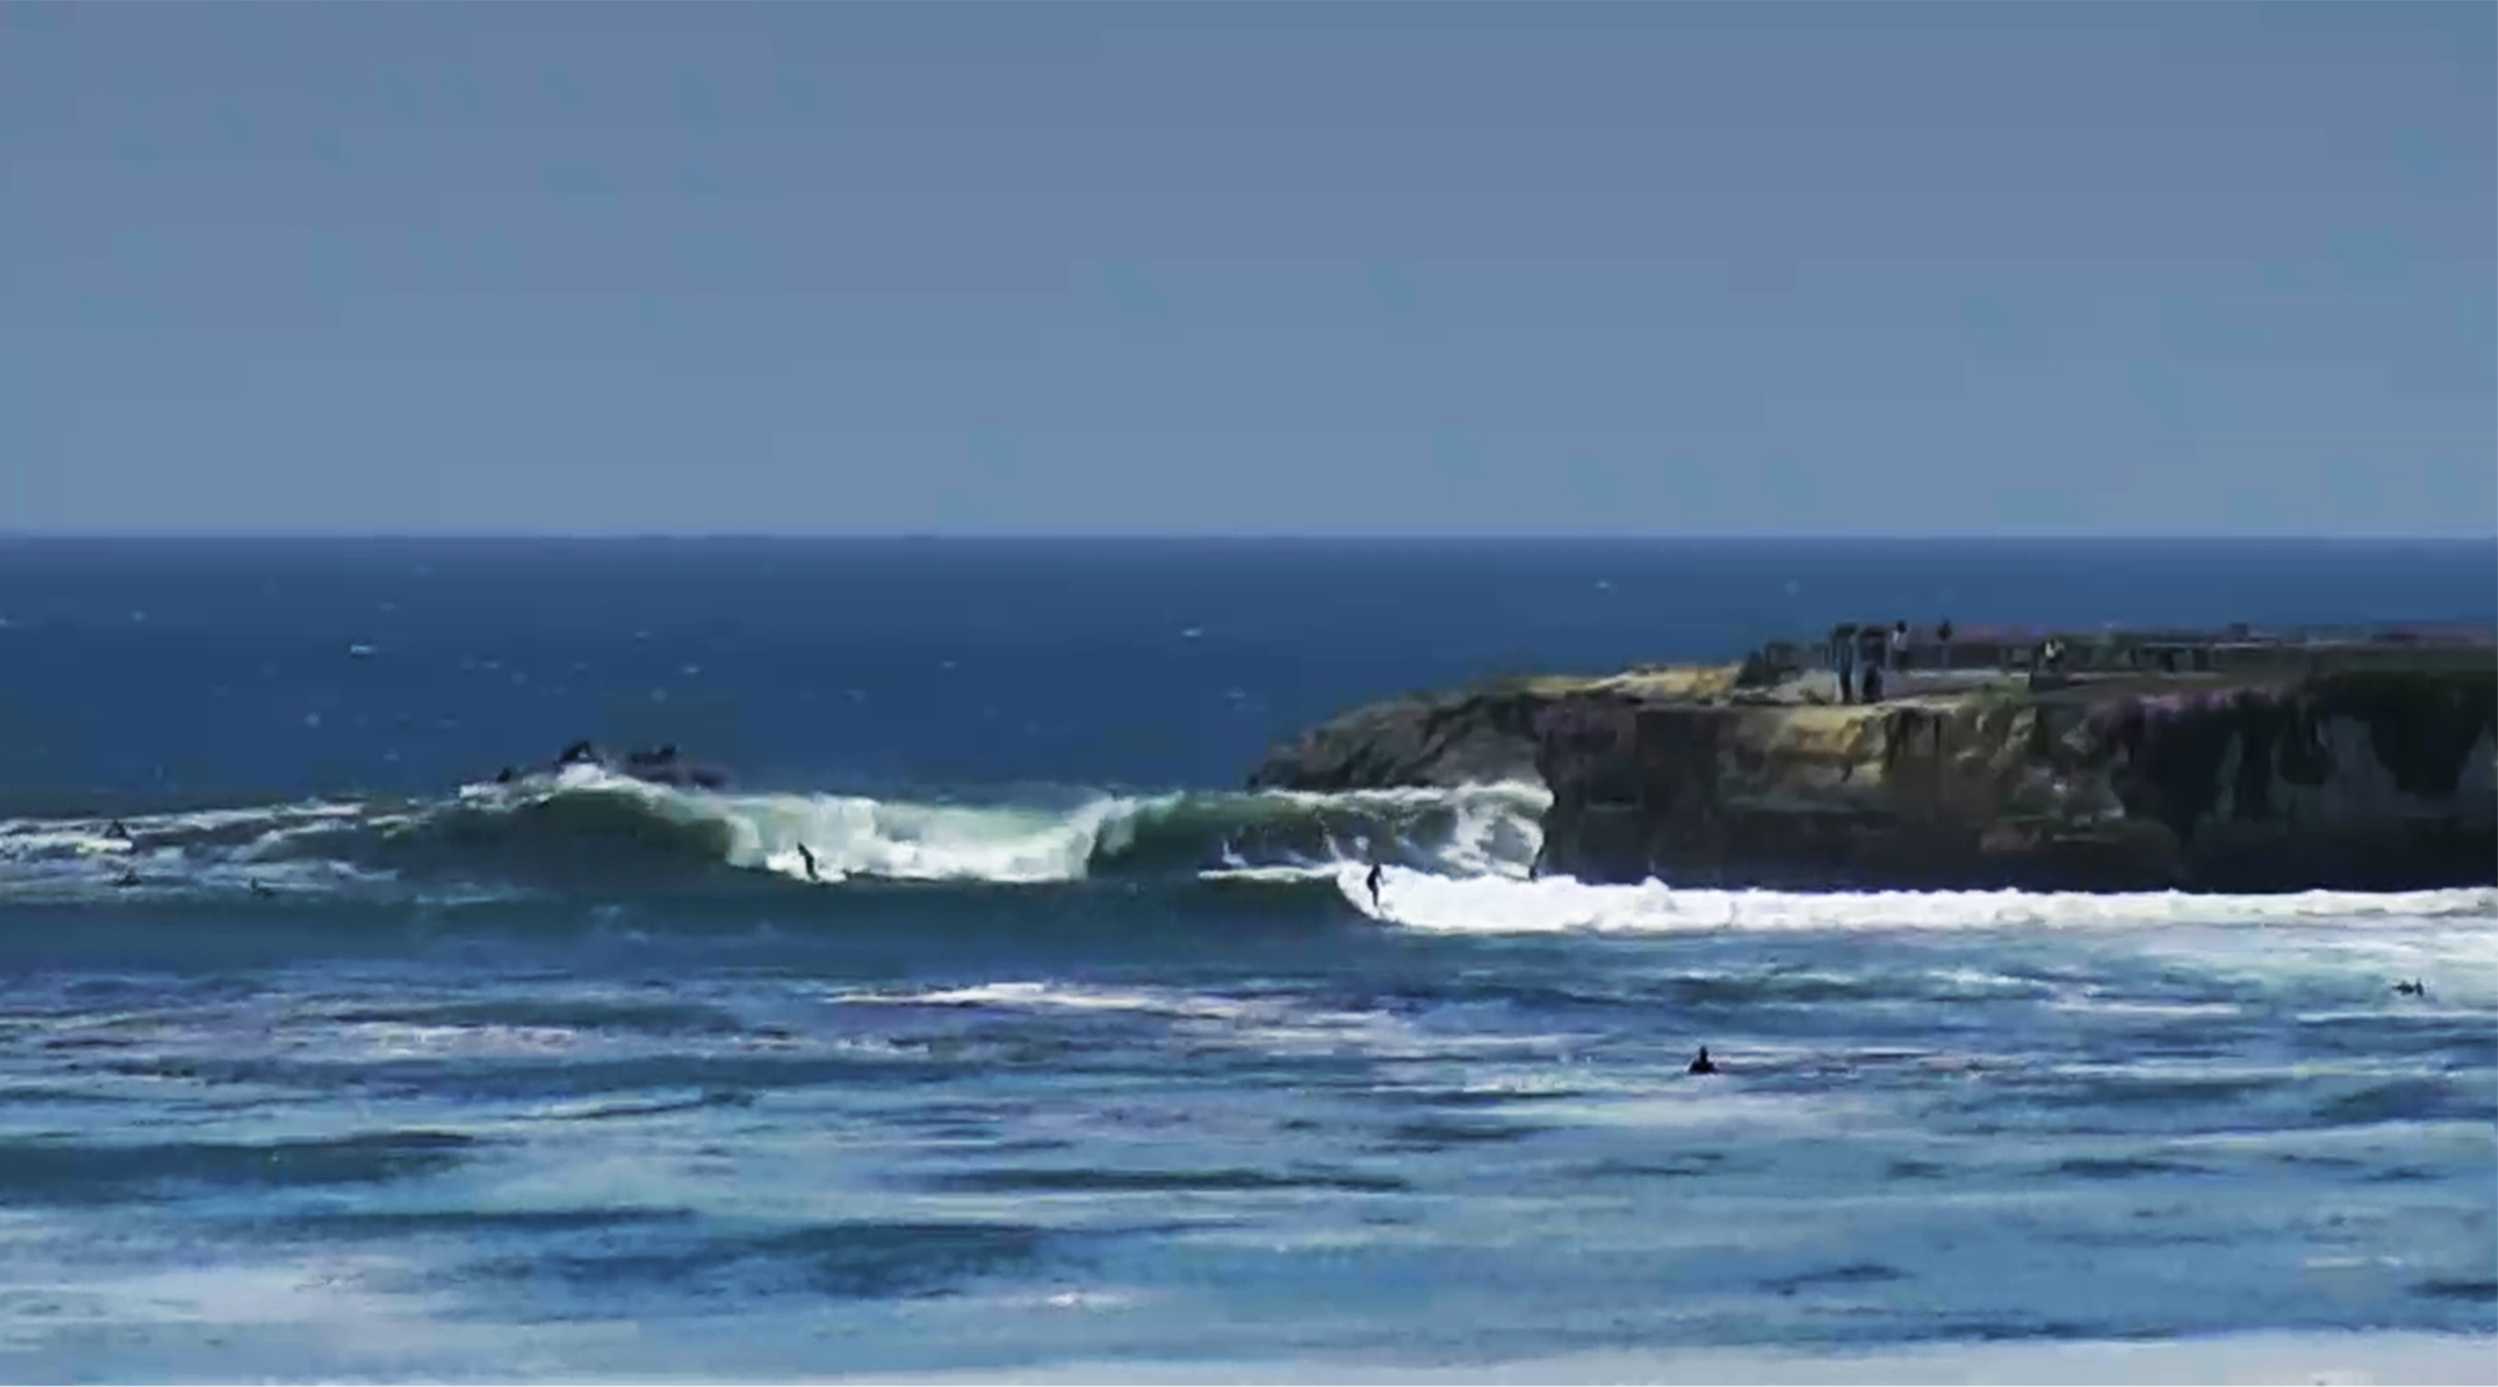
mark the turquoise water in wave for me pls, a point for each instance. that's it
(1082, 1056)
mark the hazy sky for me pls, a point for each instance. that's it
(2215, 268)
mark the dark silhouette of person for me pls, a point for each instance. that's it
(2413, 988)
(578, 752)
(1943, 638)
(1843, 659)
(809, 858)
(1372, 881)
(1700, 1063)
(1872, 644)
(127, 878)
(506, 776)
(117, 830)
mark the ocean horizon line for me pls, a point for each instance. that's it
(9, 536)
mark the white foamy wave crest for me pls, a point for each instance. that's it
(1474, 830)
(1065, 997)
(850, 835)
(205, 851)
(1492, 905)
(22, 844)
(867, 837)
(1259, 1020)
(1492, 829)
(27, 839)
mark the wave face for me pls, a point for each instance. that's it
(589, 827)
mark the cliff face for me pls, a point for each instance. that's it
(1453, 740)
(2366, 780)
(1475, 737)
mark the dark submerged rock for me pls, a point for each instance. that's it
(661, 765)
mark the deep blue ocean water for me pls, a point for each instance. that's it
(337, 1059)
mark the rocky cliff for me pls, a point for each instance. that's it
(2368, 779)
(1476, 736)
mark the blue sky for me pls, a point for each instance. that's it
(1284, 269)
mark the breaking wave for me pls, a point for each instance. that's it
(587, 826)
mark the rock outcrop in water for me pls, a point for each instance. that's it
(661, 765)
(2374, 775)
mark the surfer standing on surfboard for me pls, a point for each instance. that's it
(1372, 881)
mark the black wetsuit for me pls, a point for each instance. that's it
(1701, 1064)
(1372, 881)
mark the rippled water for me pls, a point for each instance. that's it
(475, 1144)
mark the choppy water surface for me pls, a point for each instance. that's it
(574, 1077)
(510, 1141)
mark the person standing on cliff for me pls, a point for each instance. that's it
(1871, 642)
(1899, 645)
(1843, 659)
